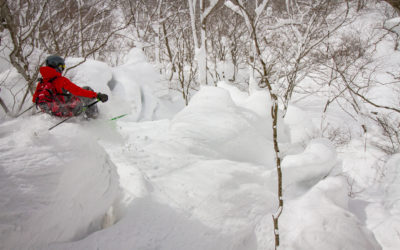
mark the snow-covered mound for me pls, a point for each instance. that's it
(315, 162)
(320, 219)
(300, 125)
(58, 186)
(53, 186)
(91, 73)
(214, 125)
(138, 89)
(187, 190)
(205, 180)
(384, 214)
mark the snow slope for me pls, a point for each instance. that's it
(197, 186)
(203, 178)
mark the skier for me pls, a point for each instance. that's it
(58, 96)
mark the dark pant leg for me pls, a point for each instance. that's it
(92, 111)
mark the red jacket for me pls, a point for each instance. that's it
(62, 82)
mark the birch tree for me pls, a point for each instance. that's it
(200, 10)
(252, 17)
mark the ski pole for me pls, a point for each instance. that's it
(60, 123)
(83, 110)
(25, 111)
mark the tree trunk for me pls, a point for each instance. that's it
(202, 56)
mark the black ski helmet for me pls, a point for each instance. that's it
(56, 62)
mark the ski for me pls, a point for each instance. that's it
(117, 117)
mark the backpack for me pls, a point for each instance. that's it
(52, 102)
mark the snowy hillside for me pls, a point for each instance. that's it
(203, 178)
(152, 173)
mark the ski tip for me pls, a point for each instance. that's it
(117, 117)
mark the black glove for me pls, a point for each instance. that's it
(102, 97)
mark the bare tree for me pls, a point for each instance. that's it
(348, 75)
(184, 57)
(22, 20)
(86, 28)
(201, 12)
(227, 38)
(306, 28)
(37, 28)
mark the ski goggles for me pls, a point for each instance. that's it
(61, 67)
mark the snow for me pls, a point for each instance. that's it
(314, 163)
(227, 132)
(302, 129)
(139, 90)
(393, 25)
(91, 73)
(48, 180)
(384, 212)
(324, 222)
(11, 90)
(62, 185)
(233, 7)
(202, 176)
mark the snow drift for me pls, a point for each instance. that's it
(323, 220)
(54, 187)
(206, 180)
